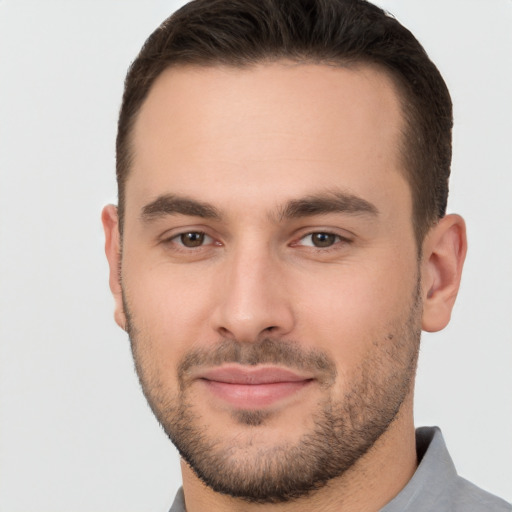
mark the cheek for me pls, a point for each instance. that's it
(169, 309)
(350, 310)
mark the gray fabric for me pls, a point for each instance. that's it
(435, 486)
(179, 502)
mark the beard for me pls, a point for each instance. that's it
(343, 430)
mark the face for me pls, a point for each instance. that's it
(269, 271)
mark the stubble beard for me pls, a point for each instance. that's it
(343, 431)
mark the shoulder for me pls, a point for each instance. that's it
(456, 494)
(453, 493)
(467, 497)
(436, 486)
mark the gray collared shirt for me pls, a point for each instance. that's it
(435, 486)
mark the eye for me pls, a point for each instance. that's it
(320, 239)
(192, 239)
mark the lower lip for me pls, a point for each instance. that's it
(254, 396)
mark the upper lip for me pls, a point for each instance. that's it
(236, 374)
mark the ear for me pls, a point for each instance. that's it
(110, 222)
(444, 251)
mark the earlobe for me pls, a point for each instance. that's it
(444, 251)
(110, 222)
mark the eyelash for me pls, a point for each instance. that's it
(337, 240)
(177, 240)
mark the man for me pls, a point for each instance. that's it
(281, 240)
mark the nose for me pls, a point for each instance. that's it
(252, 300)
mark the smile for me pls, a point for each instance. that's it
(253, 388)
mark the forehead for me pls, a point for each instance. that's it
(278, 128)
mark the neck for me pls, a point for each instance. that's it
(374, 480)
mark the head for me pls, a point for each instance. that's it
(280, 240)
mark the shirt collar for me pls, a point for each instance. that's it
(435, 473)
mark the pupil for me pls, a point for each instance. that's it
(193, 239)
(323, 239)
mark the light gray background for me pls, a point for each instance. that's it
(75, 431)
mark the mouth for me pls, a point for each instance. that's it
(253, 388)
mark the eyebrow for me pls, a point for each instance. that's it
(170, 204)
(318, 204)
(329, 202)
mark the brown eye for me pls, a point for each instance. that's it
(323, 239)
(192, 239)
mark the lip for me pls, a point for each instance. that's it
(253, 388)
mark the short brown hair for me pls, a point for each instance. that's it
(335, 32)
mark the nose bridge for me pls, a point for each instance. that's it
(252, 301)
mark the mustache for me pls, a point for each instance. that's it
(264, 351)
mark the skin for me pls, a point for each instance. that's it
(247, 142)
